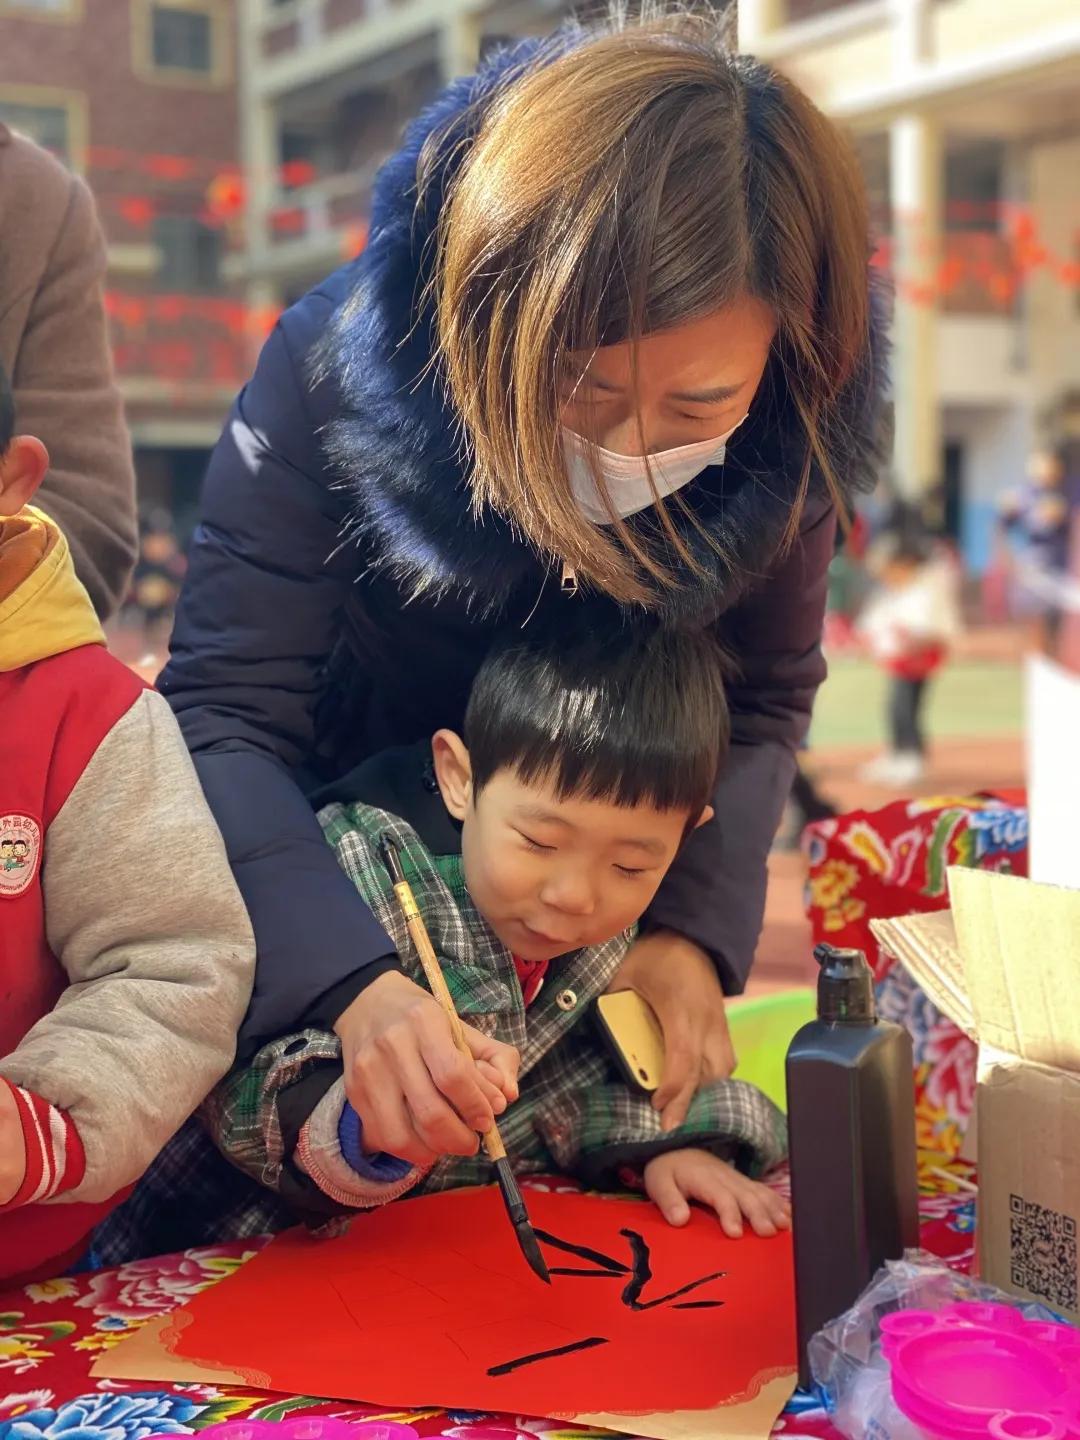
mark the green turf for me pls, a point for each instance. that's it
(976, 698)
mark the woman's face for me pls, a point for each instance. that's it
(693, 382)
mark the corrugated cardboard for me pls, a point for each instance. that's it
(1012, 979)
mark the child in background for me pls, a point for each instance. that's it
(533, 842)
(908, 626)
(126, 956)
(1038, 520)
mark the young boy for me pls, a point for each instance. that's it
(126, 955)
(533, 842)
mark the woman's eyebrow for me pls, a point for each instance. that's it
(709, 397)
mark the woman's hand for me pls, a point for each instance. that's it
(672, 1181)
(417, 1096)
(12, 1146)
(678, 979)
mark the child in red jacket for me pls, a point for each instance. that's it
(909, 626)
(126, 955)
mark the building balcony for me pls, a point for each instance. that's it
(300, 42)
(865, 60)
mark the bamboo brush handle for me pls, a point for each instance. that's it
(414, 921)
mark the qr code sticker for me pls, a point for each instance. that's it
(1042, 1252)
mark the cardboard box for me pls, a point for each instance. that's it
(1004, 965)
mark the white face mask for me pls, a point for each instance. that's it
(627, 478)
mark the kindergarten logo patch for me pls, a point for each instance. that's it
(20, 853)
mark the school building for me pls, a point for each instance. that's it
(967, 117)
(326, 87)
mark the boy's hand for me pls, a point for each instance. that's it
(416, 1094)
(679, 981)
(673, 1180)
(12, 1146)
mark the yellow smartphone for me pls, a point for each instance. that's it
(632, 1034)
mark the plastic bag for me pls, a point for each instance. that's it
(848, 1368)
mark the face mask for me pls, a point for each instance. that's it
(627, 478)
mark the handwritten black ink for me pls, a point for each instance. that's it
(608, 1268)
(511, 1365)
(587, 1274)
(605, 1262)
(641, 1274)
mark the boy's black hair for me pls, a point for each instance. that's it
(7, 411)
(637, 716)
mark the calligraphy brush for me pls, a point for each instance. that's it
(492, 1140)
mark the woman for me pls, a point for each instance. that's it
(623, 242)
(54, 346)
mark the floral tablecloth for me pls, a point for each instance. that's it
(50, 1335)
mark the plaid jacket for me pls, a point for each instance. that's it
(575, 1115)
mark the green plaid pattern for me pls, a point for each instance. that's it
(575, 1114)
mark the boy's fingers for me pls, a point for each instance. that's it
(504, 1060)
(754, 1205)
(491, 1084)
(455, 1076)
(668, 1198)
(727, 1208)
(436, 1125)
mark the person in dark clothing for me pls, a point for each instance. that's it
(612, 345)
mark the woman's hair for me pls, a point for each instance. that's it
(636, 716)
(631, 178)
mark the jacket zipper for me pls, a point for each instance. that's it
(569, 585)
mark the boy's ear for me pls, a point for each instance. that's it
(704, 818)
(453, 772)
(22, 468)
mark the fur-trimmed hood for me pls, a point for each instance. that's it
(394, 439)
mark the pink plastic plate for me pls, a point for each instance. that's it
(971, 1371)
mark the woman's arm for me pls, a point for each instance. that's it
(258, 616)
(715, 892)
(65, 393)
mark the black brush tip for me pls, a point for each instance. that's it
(526, 1236)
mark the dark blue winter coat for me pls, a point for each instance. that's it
(341, 596)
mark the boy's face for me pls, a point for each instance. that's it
(549, 875)
(22, 468)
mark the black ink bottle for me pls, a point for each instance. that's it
(851, 1116)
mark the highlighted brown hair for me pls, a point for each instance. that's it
(641, 177)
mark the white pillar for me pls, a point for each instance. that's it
(916, 189)
(912, 35)
(459, 42)
(259, 158)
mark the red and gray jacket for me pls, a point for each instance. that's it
(125, 952)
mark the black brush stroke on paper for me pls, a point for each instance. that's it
(642, 1274)
(589, 1344)
(605, 1263)
(608, 1268)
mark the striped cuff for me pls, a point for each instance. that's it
(319, 1155)
(55, 1160)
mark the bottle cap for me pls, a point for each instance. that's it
(845, 989)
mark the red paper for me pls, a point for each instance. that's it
(429, 1302)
